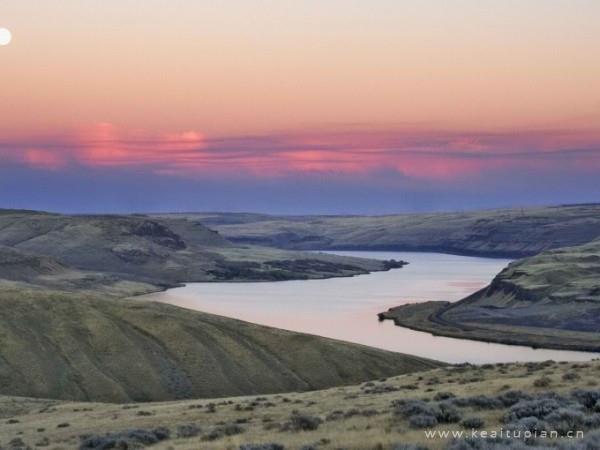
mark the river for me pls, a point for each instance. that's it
(346, 308)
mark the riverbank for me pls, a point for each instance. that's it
(429, 317)
(550, 300)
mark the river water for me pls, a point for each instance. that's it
(346, 308)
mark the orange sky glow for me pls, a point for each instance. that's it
(435, 91)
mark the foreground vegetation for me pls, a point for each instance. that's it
(390, 413)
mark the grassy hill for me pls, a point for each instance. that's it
(388, 414)
(515, 232)
(86, 347)
(551, 300)
(157, 251)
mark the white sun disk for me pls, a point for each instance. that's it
(5, 36)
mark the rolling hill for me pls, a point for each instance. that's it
(69, 328)
(514, 233)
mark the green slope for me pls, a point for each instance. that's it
(83, 347)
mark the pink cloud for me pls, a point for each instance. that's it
(44, 159)
(103, 144)
(431, 155)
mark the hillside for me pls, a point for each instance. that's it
(69, 330)
(388, 414)
(551, 300)
(511, 233)
(86, 347)
(161, 252)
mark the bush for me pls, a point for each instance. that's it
(335, 415)
(409, 408)
(586, 397)
(447, 413)
(188, 431)
(18, 444)
(303, 422)
(510, 398)
(479, 402)
(564, 419)
(380, 389)
(592, 421)
(473, 422)
(570, 376)
(422, 421)
(443, 396)
(591, 441)
(542, 382)
(125, 439)
(539, 407)
(224, 430)
(531, 424)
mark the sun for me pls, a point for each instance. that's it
(5, 36)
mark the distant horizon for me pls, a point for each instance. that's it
(200, 211)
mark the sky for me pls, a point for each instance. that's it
(281, 106)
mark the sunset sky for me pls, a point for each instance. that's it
(324, 106)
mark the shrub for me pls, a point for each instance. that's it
(539, 407)
(565, 419)
(443, 396)
(357, 412)
(335, 415)
(380, 389)
(570, 376)
(473, 422)
(125, 439)
(542, 382)
(510, 398)
(447, 413)
(303, 422)
(422, 421)
(188, 431)
(17, 443)
(591, 441)
(592, 421)
(43, 442)
(211, 408)
(224, 430)
(531, 424)
(586, 397)
(409, 408)
(479, 402)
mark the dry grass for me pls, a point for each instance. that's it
(263, 418)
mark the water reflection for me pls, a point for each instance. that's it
(346, 308)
